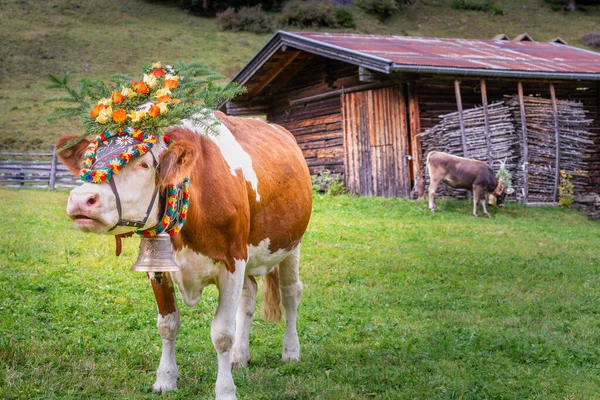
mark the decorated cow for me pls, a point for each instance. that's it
(235, 198)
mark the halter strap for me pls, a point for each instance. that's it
(129, 223)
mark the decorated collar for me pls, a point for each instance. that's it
(500, 188)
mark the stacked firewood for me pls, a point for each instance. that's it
(447, 137)
(507, 145)
(574, 141)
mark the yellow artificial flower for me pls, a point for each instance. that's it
(105, 101)
(127, 92)
(169, 77)
(156, 65)
(136, 116)
(162, 92)
(163, 107)
(104, 116)
(150, 80)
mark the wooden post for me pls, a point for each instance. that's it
(486, 118)
(460, 116)
(525, 148)
(53, 166)
(415, 129)
(556, 140)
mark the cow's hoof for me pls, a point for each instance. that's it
(240, 363)
(164, 387)
(290, 355)
(240, 358)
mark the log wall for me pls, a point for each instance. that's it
(316, 122)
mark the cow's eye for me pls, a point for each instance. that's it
(145, 165)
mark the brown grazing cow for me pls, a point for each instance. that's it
(250, 204)
(464, 173)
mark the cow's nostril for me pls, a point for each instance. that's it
(92, 200)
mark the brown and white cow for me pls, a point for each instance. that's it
(250, 204)
(464, 173)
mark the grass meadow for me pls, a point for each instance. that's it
(398, 304)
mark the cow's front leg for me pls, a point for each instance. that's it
(222, 330)
(291, 292)
(433, 185)
(240, 354)
(168, 326)
(477, 192)
(484, 205)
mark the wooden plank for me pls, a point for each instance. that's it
(460, 115)
(275, 73)
(525, 144)
(335, 93)
(415, 129)
(556, 141)
(52, 181)
(486, 118)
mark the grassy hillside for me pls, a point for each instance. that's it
(398, 304)
(95, 39)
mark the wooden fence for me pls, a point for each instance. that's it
(41, 170)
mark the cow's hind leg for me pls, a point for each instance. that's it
(240, 354)
(222, 330)
(168, 326)
(291, 292)
(477, 194)
(433, 185)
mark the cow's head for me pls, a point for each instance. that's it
(498, 197)
(93, 206)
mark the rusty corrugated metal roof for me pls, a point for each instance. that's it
(492, 55)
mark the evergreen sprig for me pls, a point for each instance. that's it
(99, 104)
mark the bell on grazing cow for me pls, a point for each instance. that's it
(155, 255)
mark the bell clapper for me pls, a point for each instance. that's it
(158, 277)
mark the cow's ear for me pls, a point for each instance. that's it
(176, 163)
(73, 155)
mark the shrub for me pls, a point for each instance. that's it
(591, 39)
(344, 18)
(478, 5)
(328, 183)
(566, 192)
(382, 8)
(249, 19)
(309, 14)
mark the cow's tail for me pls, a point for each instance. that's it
(271, 308)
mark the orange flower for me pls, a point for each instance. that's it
(158, 73)
(119, 115)
(140, 87)
(176, 101)
(166, 99)
(117, 97)
(96, 110)
(154, 111)
(171, 83)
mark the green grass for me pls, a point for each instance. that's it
(398, 304)
(95, 39)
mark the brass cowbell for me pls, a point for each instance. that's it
(155, 255)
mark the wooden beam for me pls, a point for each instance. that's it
(274, 74)
(415, 129)
(486, 118)
(460, 116)
(335, 93)
(525, 146)
(556, 141)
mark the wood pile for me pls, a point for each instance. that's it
(447, 137)
(574, 142)
(507, 144)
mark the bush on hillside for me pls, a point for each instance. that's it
(314, 14)
(383, 9)
(591, 39)
(478, 5)
(249, 19)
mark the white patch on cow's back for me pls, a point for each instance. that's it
(197, 272)
(233, 153)
(261, 260)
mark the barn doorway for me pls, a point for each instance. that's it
(376, 143)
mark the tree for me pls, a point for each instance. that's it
(571, 6)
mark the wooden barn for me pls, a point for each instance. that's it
(358, 103)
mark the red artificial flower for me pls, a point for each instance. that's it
(158, 72)
(117, 97)
(154, 111)
(140, 87)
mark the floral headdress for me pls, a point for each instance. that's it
(161, 97)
